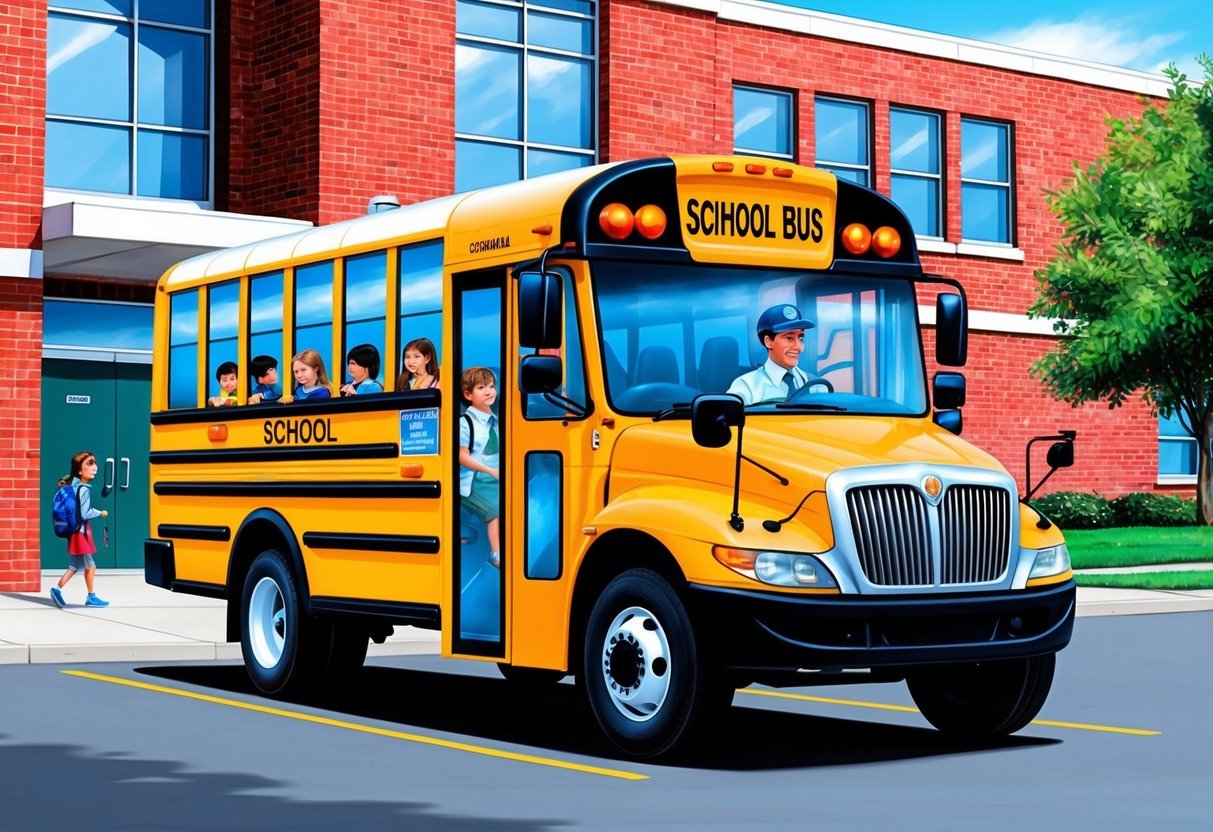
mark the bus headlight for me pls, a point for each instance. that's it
(1049, 562)
(777, 568)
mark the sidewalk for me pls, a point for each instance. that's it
(146, 623)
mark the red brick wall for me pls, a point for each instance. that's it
(333, 102)
(22, 126)
(669, 78)
(20, 431)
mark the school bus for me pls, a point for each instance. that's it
(658, 538)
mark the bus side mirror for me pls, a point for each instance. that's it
(1061, 455)
(539, 310)
(951, 330)
(948, 391)
(713, 416)
(540, 373)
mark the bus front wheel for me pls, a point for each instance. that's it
(643, 671)
(984, 699)
(282, 648)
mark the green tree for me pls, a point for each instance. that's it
(1132, 283)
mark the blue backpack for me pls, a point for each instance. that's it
(65, 511)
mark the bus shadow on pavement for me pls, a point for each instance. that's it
(555, 718)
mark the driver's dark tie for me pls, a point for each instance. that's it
(789, 378)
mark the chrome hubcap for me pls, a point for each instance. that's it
(636, 664)
(267, 623)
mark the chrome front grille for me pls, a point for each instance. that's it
(892, 536)
(974, 534)
(896, 546)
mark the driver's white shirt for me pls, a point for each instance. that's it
(765, 383)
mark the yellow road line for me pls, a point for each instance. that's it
(366, 729)
(1080, 726)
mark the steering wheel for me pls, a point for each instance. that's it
(811, 388)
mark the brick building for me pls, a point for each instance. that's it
(135, 133)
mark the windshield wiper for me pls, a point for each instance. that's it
(810, 406)
(682, 409)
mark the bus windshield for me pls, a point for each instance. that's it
(673, 331)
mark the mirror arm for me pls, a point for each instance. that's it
(735, 519)
(1062, 436)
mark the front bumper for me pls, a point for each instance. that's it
(755, 630)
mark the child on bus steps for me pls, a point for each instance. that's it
(80, 546)
(479, 454)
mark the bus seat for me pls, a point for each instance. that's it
(656, 364)
(719, 364)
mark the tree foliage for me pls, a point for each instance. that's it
(1131, 285)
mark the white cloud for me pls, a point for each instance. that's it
(1121, 41)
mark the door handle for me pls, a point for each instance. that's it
(126, 473)
(107, 482)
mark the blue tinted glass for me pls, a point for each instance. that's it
(488, 83)
(557, 32)
(183, 318)
(842, 132)
(914, 141)
(558, 101)
(579, 6)
(1177, 457)
(983, 151)
(420, 268)
(487, 21)
(919, 198)
(220, 352)
(365, 286)
(224, 311)
(365, 332)
(269, 343)
(543, 515)
(112, 325)
(479, 165)
(984, 211)
(762, 121)
(314, 294)
(482, 330)
(539, 162)
(122, 7)
(319, 338)
(88, 68)
(265, 303)
(181, 12)
(172, 165)
(172, 78)
(88, 157)
(1172, 426)
(183, 376)
(428, 325)
(859, 177)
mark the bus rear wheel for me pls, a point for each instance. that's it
(284, 650)
(643, 671)
(985, 699)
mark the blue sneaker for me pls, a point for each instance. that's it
(57, 597)
(94, 601)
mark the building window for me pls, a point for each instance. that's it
(762, 122)
(844, 139)
(1178, 454)
(915, 162)
(128, 97)
(524, 89)
(985, 181)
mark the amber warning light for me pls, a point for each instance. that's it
(618, 221)
(858, 240)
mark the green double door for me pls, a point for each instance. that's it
(102, 407)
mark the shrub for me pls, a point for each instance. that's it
(1075, 510)
(1143, 508)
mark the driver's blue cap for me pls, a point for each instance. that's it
(781, 318)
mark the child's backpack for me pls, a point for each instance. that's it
(65, 511)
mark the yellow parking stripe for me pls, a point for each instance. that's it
(366, 729)
(1079, 726)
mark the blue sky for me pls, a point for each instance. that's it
(1142, 35)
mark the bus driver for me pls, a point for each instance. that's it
(781, 331)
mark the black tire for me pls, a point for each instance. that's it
(986, 699)
(284, 650)
(531, 677)
(644, 673)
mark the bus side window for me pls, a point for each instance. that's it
(183, 350)
(365, 318)
(420, 301)
(314, 317)
(223, 328)
(265, 336)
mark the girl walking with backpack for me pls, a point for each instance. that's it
(80, 546)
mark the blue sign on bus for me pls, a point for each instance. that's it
(419, 431)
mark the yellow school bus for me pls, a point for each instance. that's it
(630, 508)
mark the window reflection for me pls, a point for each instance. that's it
(88, 156)
(172, 78)
(487, 81)
(558, 96)
(172, 165)
(115, 326)
(842, 138)
(914, 157)
(762, 121)
(88, 68)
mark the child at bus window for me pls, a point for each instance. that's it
(226, 375)
(479, 454)
(264, 370)
(420, 366)
(362, 362)
(311, 379)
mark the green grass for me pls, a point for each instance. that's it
(1187, 579)
(1139, 546)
